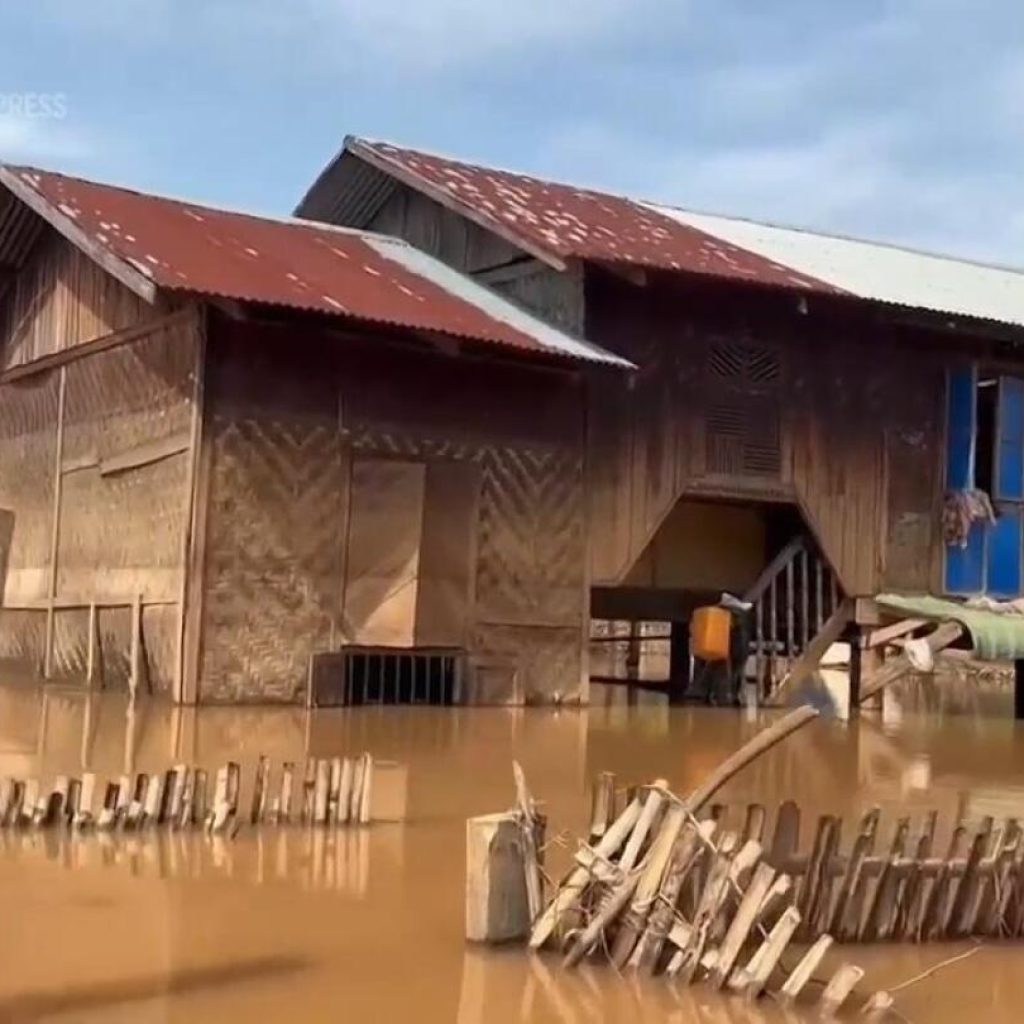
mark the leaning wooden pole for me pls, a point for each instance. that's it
(947, 634)
(750, 751)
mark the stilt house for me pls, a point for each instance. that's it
(815, 420)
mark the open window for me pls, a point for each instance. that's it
(985, 452)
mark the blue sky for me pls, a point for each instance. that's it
(894, 119)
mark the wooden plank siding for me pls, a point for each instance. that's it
(860, 431)
(859, 405)
(94, 450)
(296, 419)
(60, 299)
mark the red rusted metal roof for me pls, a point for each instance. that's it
(557, 222)
(156, 244)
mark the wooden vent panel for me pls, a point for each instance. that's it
(743, 436)
(744, 365)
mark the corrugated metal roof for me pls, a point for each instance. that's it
(159, 244)
(872, 270)
(560, 221)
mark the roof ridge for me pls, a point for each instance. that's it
(658, 206)
(301, 222)
(839, 236)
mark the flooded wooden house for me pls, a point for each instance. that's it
(815, 420)
(245, 459)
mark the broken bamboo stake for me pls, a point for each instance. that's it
(568, 894)
(839, 988)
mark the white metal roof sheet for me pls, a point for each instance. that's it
(873, 270)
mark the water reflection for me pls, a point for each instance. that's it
(376, 915)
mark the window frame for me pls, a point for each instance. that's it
(1003, 506)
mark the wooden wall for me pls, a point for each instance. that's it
(853, 423)
(60, 299)
(295, 417)
(95, 470)
(749, 399)
(460, 243)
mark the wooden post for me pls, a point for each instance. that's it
(193, 548)
(679, 662)
(842, 984)
(366, 795)
(856, 652)
(58, 481)
(497, 909)
(804, 970)
(90, 654)
(136, 648)
(1018, 689)
(602, 807)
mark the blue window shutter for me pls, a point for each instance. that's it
(965, 567)
(1010, 457)
(1003, 558)
(960, 430)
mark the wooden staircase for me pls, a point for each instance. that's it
(792, 599)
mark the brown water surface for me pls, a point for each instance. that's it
(366, 925)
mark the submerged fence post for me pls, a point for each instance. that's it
(497, 906)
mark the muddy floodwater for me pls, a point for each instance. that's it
(284, 924)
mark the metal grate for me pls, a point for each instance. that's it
(379, 675)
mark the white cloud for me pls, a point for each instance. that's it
(26, 139)
(414, 36)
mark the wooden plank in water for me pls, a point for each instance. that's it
(994, 920)
(259, 790)
(911, 898)
(655, 865)
(602, 809)
(348, 773)
(877, 921)
(568, 895)
(284, 805)
(846, 914)
(956, 919)
(753, 824)
(776, 899)
(321, 791)
(199, 797)
(807, 892)
(715, 890)
(786, 837)
(662, 917)
(742, 923)
(804, 970)
(933, 921)
(753, 978)
(842, 983)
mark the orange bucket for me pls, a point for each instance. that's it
(709, 633)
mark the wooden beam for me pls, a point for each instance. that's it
(146, 454)
(948, 633)
(829, 634)
(89, 348)
(128, 275)
(887, 634)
